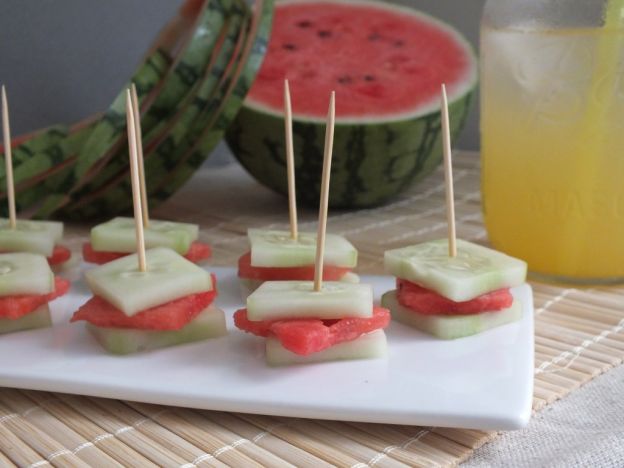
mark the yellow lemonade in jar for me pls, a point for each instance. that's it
(552, 127)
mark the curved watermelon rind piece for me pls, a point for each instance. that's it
(177, 92)
(164, 159)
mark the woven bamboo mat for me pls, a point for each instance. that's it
(579, 334)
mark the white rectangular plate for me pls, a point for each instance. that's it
(479, 382)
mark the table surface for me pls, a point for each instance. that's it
(579, 335)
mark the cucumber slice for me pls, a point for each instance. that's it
(475, 270)
(450, 327)
(118, 235)
(38, 318)
(248, 286)
(297, 299)
(30, 236)
(169, 276)
(277, 249)
(209, 324)
(25, 273)
(370, 346)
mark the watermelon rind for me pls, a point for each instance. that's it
(162, 158)
(230, 103)
(373, 159)
(38, 318)
(176, 94)
(210, 323)
(451, 327)
(369, 346)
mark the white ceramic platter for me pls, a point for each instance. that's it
(480, 382)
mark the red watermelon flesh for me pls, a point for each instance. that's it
(304, 273)
(14, 307)
(307, 336)
(197, 252)
(426, 301)
(172, 315)
(382, 60)
(60, 254)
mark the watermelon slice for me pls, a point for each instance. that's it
(386, 64)
(15, 307)
(60, 254)
(305, 273)
(308, 336)
(426, 301)
(170, 316)
(198, 252)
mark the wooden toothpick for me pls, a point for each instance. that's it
(322, 225)
(134, 174)
(290, 163)
(139, 145)
(8, 160)
(448, 176)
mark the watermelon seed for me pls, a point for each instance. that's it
(324, 33)
(374, 37)
(399, 43)
(289, 46)
(345, 80)
(304, 24)
(369, 78)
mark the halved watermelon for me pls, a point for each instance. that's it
(305, 273)
(426, 301)
(198, 252)
(60, 254)
(386, 63)
(307, 336)
(15, 307)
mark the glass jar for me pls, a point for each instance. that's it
(552, 135)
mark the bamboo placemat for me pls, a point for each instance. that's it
(579, 334)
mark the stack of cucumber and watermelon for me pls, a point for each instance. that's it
(384, 61)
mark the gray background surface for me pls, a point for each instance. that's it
(63, 60)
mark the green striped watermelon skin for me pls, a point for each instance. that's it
(371, 162)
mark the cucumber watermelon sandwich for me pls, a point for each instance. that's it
(314, 321)
(169, 304)
(453, 297)
(306, 326)
(385, 62)
(275, 256)
(27, 285)
(117, 237)
(282, 255)
(39, 237)
(151, 299)
(451, 288)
